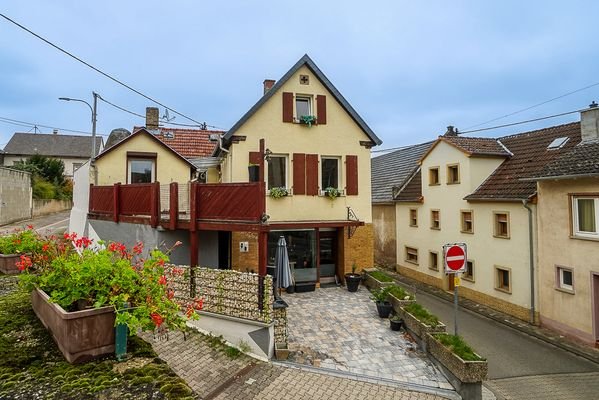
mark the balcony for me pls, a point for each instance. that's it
(175, 206)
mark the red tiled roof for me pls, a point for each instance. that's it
(530, 156)
(190, 143)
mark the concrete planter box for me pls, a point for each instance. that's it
(373, 283)
(398, 303)
(465, 376)
(281, 351)
(419, 329)
(80, 335)
(8, 263)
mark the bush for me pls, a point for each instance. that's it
(422, 314)
(380, 276)
(21, 242)
(43, 189)
(458, 346)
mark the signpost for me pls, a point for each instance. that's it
(455, 258)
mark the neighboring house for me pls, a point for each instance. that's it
(73, 150)
(471, 190)
(304, 138)
(388, 171)
(568, 214)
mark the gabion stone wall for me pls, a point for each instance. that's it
(227, 292)
(280, 316)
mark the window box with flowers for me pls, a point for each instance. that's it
(81, 291)
(278, 192)
(307, 120)
(16, 244)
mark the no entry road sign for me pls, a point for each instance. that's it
(455, 257)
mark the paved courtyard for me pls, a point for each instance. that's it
(338, 330)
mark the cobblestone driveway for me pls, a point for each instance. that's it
(344, 332)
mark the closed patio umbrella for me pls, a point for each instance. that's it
(283, 278)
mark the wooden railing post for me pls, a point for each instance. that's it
(155, 204)
(193, 206)
(173, 206)
(116, 203)
(90, 199)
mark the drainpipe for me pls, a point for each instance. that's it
(531, 262)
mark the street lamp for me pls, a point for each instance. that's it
(94, 115)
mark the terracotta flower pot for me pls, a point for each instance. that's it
(8, 263)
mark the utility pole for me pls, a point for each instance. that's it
(94, 119)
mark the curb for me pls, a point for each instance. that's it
(522, 326)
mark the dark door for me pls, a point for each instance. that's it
(328, 256)
(224, 250)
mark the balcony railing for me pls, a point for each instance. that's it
(238, 202)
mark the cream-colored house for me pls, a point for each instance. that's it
(568, 210)
(469, 190)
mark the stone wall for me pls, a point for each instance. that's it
(43, 207)
(244, 261)
(280, 317)
(15, 195)
(358, 249)
(384, 228)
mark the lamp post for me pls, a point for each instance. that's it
(94, 115)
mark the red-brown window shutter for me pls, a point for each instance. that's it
(351, 173)
(312, 174)
(321, 107)
(299, 173)
(254, 157)
(287, 107)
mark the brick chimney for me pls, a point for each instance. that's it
(589, 123)
(268, 84)
(152, 118)
(451, 131)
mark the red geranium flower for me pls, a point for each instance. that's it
(157, 319)
(162, 280)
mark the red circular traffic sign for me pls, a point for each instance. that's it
(455, 258)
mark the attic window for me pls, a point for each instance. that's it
(304, 79)
(558, 143)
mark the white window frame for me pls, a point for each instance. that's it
(310, 105)
(129, 169)
(575, 229)
(560, 278)
(286, 157)
(339, 183)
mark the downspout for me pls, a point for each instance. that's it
(531, 262)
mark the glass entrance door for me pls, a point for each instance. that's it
(328, 256)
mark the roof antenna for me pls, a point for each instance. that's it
(593, 104)
(166, 116)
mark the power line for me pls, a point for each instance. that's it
(391, 149)
(96, 69)
(32, 124)
(121, 108)
(536, 105)
(520, 123)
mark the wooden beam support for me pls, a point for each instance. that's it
(173, 206)
(193, 249)
(154, 204)
(116, 191)
(193, 206)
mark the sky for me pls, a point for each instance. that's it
(408, 68)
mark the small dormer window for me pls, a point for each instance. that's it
(558, 143)
(303, 106)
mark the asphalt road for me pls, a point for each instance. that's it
(510, 353)
(56, 223)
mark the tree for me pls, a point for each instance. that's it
(48, 176)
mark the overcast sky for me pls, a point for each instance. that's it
(409, 69)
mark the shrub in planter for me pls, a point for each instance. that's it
(383, 306)
(395, 322)
(459, 358)
(353, 279)
(399, 297)
(376, 279)
(16, 244)
(80, 277)
(420, 321)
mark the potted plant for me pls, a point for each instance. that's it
(308, 120)
(16, 244)
(395, 322)
(383, 306)
(278, 192)
(332, 192)
(353, 279)
(254, 172)
(80, 292)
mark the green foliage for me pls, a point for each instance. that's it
(380, 295)
(308, 119)
(395, 317)
(400, 293)
(332, 193)
(107, 276)
(458, 346)
(278, 192)
(380, 276)
(21, 242)
(49, 181)
(422, 314)
(31, 365)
